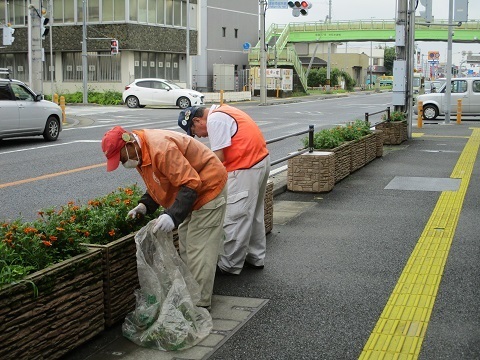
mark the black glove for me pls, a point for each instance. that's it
(182, 206)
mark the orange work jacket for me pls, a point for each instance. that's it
(171, 160)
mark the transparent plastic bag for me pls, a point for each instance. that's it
(165, 316)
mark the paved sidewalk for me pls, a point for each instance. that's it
(388, 258)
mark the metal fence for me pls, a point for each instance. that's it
(310, 132)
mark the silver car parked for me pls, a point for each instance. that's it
(24, 113)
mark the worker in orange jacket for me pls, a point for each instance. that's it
(238, 142)
(184, 177)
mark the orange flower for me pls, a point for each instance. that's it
(129, 192)
(28, 230)
(60, 229)
(112, 233)
(86, 233)
(127, 201)
(72, 218)
(53, 238)
(47, 243)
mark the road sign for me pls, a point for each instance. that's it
(277, 4)
(246, 46)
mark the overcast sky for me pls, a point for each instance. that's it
(378, 10)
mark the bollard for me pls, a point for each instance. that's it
(278, 91)
(55, 98)
(62, 106)
(420, 115)
(459, 111)
(221, 97)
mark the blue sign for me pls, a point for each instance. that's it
(246, 46)
(277, 4)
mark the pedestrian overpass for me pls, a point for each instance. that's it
(281, 37)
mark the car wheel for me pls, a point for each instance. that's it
(430, 112)
(183, 102)
(132, 102)
(52, 129)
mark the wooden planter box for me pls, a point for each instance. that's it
(394, 132)
(358, 154)
(311, 172)
(379, 138)
(67, 312)
(120, 277)
(370, 147)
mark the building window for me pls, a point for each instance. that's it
(113, 10)
(236, 33)
(156, 65)
(224, 31)
(100, 68)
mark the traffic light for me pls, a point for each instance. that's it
(299, 7)
(8, 34)
(427, 13)
(44, 30)
(114, 46)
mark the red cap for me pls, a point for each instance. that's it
(113, 141)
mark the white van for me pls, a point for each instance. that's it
(466, 89)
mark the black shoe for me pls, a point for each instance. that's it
(219, 271)
(250, 265)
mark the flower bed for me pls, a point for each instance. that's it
(54, 310)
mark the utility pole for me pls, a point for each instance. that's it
(189, 86)
(263, 63)
(410, 65)
(400, 71)
(448, 88)
(36, 54)
(84, 53)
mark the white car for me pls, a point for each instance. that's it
(24, 113)
(465, 89)
(157, 92)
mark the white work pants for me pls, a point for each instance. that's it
(245, 219)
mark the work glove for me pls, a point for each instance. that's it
(140, 209)
(164, 223)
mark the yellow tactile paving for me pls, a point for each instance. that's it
(402, 326)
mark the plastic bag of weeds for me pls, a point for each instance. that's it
(165, 316)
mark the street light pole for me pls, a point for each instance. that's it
(449, 64)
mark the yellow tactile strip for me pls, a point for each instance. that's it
(400, 331)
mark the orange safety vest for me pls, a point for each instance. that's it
(248, 144)
(171, 160)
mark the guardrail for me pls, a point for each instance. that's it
(387, 110)
(310, 132)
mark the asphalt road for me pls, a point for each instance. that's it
(37, 175)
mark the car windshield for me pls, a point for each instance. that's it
(173, 85)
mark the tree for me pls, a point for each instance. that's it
(388, 58)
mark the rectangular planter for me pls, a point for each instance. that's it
(395, 132)
(67, 311)
(379, 139)
(311, 172)
(342, 160)
(370, 147)
(358, 157)
(268, 209)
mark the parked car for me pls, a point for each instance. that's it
(466, 89)
(154, 92)
(24, 113)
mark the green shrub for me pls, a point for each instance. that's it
(395, 116)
